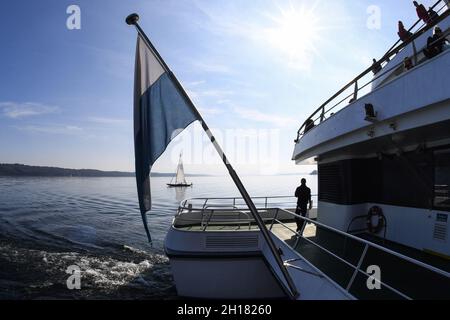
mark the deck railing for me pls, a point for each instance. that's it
(260, 202)
(228, 211)
(366, 245)
(232, 211)
(323, 111)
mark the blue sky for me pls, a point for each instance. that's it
(66, 95)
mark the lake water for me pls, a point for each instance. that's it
(49, 224)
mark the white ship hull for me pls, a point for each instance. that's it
(224, 278)
(238, 265)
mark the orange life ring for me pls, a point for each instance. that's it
(375, 212)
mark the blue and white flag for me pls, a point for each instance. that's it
(161, 112)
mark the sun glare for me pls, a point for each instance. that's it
(295, 32)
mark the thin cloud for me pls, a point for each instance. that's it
(212, 68)
(195, 83)
(211, 111)
(112, 62)
(53, 129)
(17, 110)
(195, 91)
(109, 121)
(259, 116)
(225, 19)
(201, 96)
(192, 94)
(220, 95)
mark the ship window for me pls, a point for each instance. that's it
(442, 180)
(408, 180)
(405, 180)
(350, 181)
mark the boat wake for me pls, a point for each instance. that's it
(31, 273)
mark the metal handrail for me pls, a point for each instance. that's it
(371, 244)
(236, 198)
(184, 203)
(223, 210)
(376, 246)
(356, 268)
(238, 211)
(376, 77)
(207, 213)
(417, 22)
(250, 220)
(321, 110)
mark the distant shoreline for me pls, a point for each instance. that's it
(21, 170)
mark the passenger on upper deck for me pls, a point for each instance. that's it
(376, 66)
(408, 64)
(433, 15)
(309, 124)
(422, 13)
(435, 44)
(403, 34)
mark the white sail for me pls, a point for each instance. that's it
(180, 177)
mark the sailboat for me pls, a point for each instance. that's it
(180, 179)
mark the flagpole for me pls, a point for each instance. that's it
(133, 19)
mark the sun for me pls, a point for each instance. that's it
(296, 33)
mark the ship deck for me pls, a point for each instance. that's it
(414, 281)
(342, 258)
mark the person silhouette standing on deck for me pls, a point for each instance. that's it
(303, 195)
